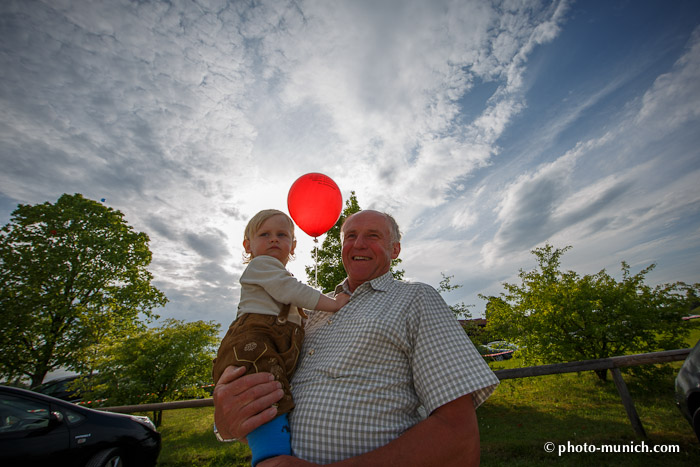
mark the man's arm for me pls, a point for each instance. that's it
(243, 403)
(448, 437)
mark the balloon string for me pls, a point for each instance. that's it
(316, 259)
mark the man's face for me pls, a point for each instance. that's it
(367, 247)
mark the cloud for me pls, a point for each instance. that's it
(610, 184)
(676, 94)
(388, 85)
(189, 117)
(210, 244)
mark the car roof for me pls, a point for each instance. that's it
(58, 380)
(38, 395)
(62, 403)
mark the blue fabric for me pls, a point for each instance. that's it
(270, 440)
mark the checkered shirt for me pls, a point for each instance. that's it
(367, 369)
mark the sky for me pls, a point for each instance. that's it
(487, 129)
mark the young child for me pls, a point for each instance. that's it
(267, 333)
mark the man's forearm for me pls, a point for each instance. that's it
(448, 437)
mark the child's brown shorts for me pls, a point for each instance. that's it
(262, 343)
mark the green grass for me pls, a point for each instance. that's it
(188, 440)
(514, 423)
(522, 415)
(694, 326)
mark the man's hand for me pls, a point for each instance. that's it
(243, 403)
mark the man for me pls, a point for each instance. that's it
(366, 370)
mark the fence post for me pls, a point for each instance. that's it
(628, 403)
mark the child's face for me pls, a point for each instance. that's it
(273, 238)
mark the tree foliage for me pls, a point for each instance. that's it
(461, 309)
(558, 316)
(160, 364)
(72, 274)
(329, 257)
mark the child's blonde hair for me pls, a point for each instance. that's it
(257, 220)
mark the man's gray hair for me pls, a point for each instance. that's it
(393, 226)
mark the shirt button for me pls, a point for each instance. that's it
(311, 352)
(330, 321)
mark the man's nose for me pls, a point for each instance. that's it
(359, 242)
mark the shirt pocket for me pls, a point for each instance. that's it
(366, 348)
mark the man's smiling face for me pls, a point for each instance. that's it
(367, 247)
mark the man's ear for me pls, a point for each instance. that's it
(395, 250)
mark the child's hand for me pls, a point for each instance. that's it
(342, 299)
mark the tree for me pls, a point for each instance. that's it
(329, 257)
(71, 275)
(160, 364)
(559, 316)
(461, 309)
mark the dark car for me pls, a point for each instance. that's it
(60, 388)
(36, 429)
(688, 389)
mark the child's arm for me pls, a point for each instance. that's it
(329, 304)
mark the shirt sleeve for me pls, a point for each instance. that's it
(270, 274)
(445, 363)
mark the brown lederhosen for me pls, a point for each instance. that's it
(263, 343)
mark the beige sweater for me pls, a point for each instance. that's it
(266, 286)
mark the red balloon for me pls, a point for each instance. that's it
(315, 203)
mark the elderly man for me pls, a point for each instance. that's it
(367, 369)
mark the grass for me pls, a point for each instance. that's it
(514, 423)
(577, 408)
(522, 415)
(188, 440)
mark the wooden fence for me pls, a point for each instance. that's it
(613, 364)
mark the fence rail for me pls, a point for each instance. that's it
(613, 364)
(592, 365)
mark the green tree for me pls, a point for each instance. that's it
(166, 363)
(461, 309)
(72, 274)
(558, 316)
(329, 257)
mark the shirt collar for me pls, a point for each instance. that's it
(381, 284)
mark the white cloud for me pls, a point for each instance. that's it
(610, 185)
(191, 116)
(675, 95)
